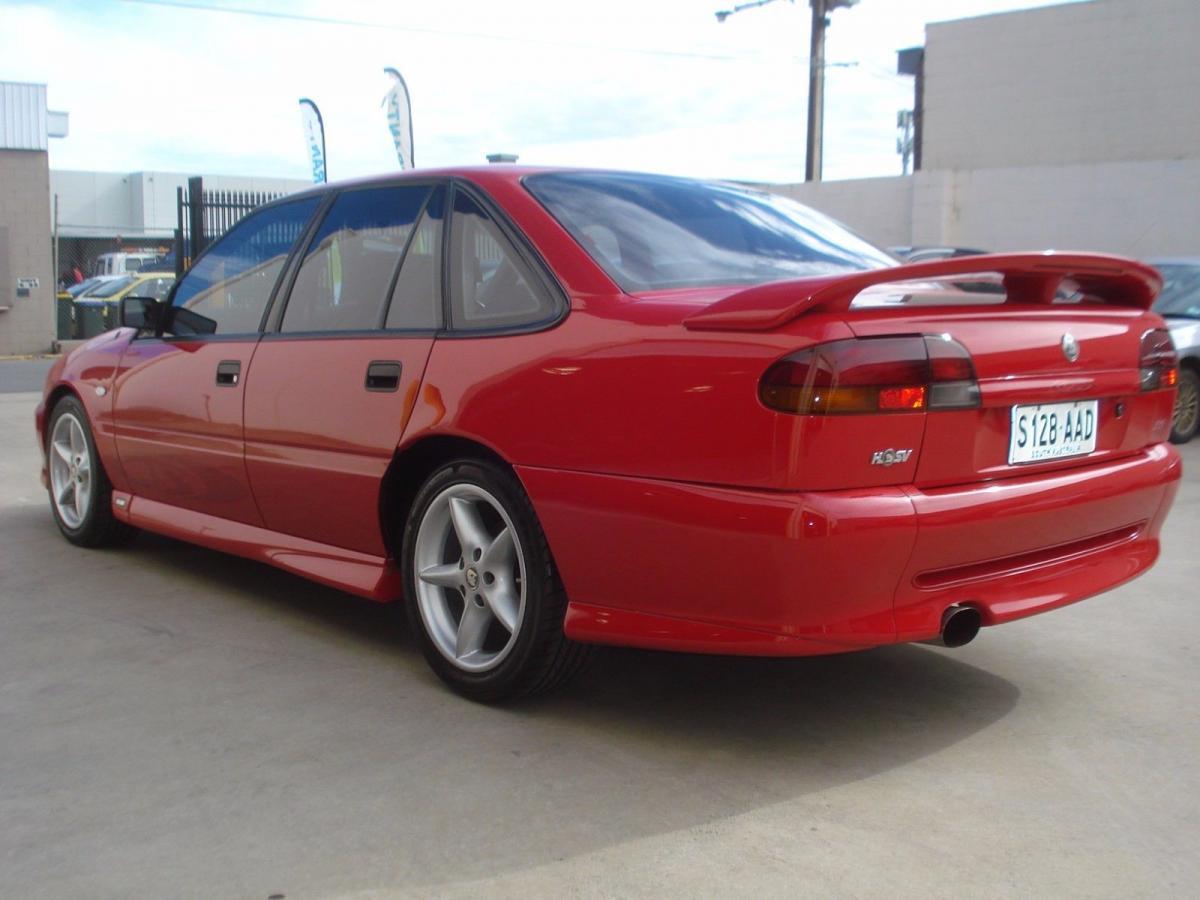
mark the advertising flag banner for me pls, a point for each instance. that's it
(399, 118)
(314, 138)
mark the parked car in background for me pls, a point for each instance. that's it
(555, 408)
(75, 290)
(929, 254)
(1179, 304)
(143, 284)
(97, 307)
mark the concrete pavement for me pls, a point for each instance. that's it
(175, 722)
(18, 374)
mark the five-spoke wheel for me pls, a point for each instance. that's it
(80, 492)
(70, 470)
(483, 597)
(470, 577)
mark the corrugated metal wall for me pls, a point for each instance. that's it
(22, 116)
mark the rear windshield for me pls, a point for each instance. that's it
(651, 232)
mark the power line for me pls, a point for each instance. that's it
(198, 6)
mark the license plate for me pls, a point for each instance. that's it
(1053, 431)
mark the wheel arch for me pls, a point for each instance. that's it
(411, 466)
(60, 390)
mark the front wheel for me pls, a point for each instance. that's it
(483, 596)
(1186, 419)
(80, 492)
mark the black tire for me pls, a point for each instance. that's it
(1186, 420)
(97, 526)
(541, 658)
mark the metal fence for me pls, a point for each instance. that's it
(203, 216)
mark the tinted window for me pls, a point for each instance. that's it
(490, 285)
(227, 290)
(417, 299)
(110, 288)
(652, 232)
(156, 288)
(1180, 291)
(350, 264)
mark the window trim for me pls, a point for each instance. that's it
(390, 296)
(271, 321)
(524, 248)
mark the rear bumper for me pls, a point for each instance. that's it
(720, 570)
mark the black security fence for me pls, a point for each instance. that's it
(203, 216)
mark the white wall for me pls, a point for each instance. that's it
(94, 204)
(137, 204)
(1140, 209)
(1104, 81)
(880, 209)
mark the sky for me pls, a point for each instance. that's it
(654, 85)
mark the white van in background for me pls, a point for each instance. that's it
(122, 263)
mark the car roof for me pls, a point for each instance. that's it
(484, 174)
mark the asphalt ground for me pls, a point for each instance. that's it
(175, 722)
(18, 374)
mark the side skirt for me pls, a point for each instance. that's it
(372, 577)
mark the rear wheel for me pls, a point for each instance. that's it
(80, 492)
(483, 596)
(1186, 419)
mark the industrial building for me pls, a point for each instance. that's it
(26, 264)
(1072, 126)
(101, 212)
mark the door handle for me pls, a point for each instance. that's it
(229, 372)
(383, 375)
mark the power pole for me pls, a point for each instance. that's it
(816, 73)
(904, 139)
(816, 83)
(816, 91)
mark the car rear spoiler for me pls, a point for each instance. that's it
(1027, 278)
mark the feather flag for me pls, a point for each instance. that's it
(399, 118)
(314, 137)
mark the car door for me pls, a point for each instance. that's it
(178, 397)
(335, 377)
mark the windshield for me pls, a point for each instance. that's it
(1181, 291)
(109, 288)
(651, 232)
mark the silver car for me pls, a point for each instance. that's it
(1179, 304)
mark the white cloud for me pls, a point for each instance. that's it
(151, 87)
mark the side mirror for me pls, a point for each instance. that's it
(142, 313)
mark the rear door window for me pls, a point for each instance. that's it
(416, 302)
(352, 262)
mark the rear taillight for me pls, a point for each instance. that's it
(872, 375)
(1158, 362)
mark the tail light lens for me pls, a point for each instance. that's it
(1159, 364)
(873, 375)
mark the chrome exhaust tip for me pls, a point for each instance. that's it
(960, 624)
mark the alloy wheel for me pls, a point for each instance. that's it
(470, 577)
(1187, 407)
(70, 470)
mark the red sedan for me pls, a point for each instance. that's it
(551, 409)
